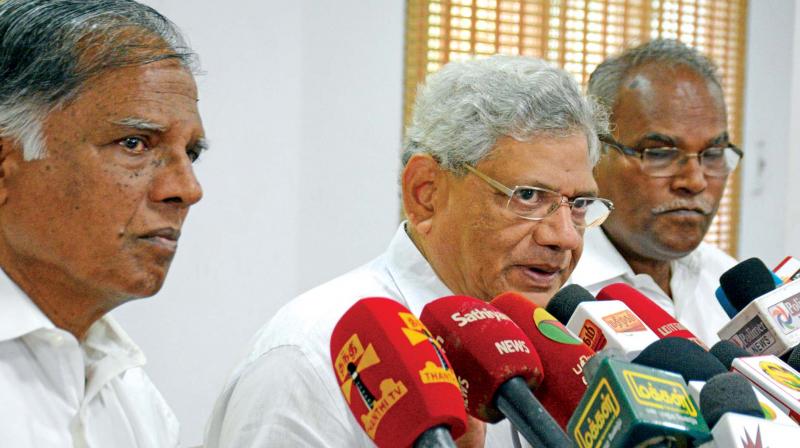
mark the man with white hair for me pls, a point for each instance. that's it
(98, 131)
(665, 166)
(497, 189)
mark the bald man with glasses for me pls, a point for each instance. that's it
(664, 165)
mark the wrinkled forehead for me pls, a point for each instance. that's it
(666, 87)
(670, 100)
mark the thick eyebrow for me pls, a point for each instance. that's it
(143, 124)
(658, 137)
(140, 123)
(667, 140)
(721, 138)
(201, 145)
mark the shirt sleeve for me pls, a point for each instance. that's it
(283, 399)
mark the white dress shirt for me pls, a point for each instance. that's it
(695, 277)
(58, 392)
(285, 393)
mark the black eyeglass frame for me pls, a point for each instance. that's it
(639, 152)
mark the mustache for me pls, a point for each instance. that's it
(697, 204)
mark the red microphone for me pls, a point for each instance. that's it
(395, 377)
(662, 324)
(562, 354)
(497, 366)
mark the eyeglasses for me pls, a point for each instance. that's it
(667, 161)
(536, 204)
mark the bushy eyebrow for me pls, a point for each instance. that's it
(141, 124)
(201, 145)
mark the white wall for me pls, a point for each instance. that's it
(302, 104)
(771, 188)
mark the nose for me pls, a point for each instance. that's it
(557, 231)
(690, 178)
(175, 182)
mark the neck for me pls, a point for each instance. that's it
(659, 270)
(68, 306)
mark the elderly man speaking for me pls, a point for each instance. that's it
(497, 187)
(98, 131)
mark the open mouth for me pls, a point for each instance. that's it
(542, 276)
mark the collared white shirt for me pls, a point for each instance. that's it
(285, 393)
(695, 277)
(57, 392)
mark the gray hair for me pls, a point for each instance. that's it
(605, 81)
(464, 108)
(49, 49)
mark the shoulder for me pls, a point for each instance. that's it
(286, 387)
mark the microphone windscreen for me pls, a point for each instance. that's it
(393, 375)
(564, 303)
(726, 351)
(728, 392)
(746, 281)
(794, 358)
(681, 356)
(485, 347)
(562, 354)
(662, 324)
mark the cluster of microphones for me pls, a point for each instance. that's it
(613, 370)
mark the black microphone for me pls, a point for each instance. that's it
(746, 281)
(774, 382)
(735, 416)
(768, 322)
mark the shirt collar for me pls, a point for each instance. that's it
(600, 260)
(19, 315)
(415, 278)
(107, 349)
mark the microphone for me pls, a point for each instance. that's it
(562, 354)
(608, 324)
(685, 358)
(724, 302)
(788, 270)
(769, 375)
(794, 358)
(751, 268)
(634, 405)
(497, 364)
(746, 281)
(662, 324)
(769, 317)
(732, 411)
(395, 378)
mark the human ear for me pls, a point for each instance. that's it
(422, 183)
(9, 160)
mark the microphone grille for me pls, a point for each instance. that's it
(728, 392)
(681, 356)
(746, 281)
(727, 351)
(794, 358)
(564, 303)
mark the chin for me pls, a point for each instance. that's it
(679, 249)
(143, 286)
